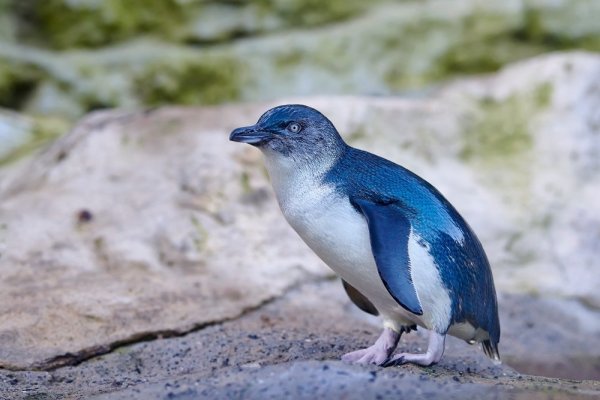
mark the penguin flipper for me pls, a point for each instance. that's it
(389, 230)
(359, 299)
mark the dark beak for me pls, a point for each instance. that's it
(250, 135)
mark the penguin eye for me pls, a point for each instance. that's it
(294, 127)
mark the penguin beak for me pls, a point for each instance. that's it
(250, 135)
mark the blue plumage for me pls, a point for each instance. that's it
(457, 252)
(412, 231)
(362, 174)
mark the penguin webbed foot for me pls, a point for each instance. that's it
(423, 360)
(435, 351)
(378, 353)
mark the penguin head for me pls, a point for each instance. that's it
(292, 131)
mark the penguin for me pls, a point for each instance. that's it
(402, 250)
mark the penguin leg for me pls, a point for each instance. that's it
(379, 352)
(435, 351)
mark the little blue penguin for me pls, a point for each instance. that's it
(402, 250)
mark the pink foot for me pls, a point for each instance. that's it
(376, 354)
(435, 351)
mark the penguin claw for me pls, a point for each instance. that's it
(393, 361)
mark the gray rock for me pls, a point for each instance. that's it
(290, 348)
(153, 228)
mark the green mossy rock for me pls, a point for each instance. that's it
(21, 135)
(7, 22)
(305, 13)
(64, 24)
(491, 40)
(17, 82)
(198, 57)
(92, 23)
(194, 80)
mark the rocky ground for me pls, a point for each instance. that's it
(290, 348)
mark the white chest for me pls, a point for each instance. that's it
(336, 233)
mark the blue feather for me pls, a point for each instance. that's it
(458, 254)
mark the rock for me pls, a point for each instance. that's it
(143, 237)
(143, 224)
(290, 348)
(143, 72)
(368, 50)
(89, 23)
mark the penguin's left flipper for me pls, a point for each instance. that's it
(359, 299)
(389, 231)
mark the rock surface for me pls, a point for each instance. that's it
(290, 349)
(138, 225)
(153, 228)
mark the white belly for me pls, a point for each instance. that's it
(340, 237)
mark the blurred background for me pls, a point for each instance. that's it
(62, 58)
(117, 225)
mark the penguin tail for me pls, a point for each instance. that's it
(491, 350)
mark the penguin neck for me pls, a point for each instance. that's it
(292, 177)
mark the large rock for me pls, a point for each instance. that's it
(388, 48)
(137, 225)
(144, 224)
(91, 23)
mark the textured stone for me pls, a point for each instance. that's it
(290, 348)
(136, 225)
(140, 224)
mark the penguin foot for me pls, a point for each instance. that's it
(378, 353)
(435, 351)
(407, 358)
